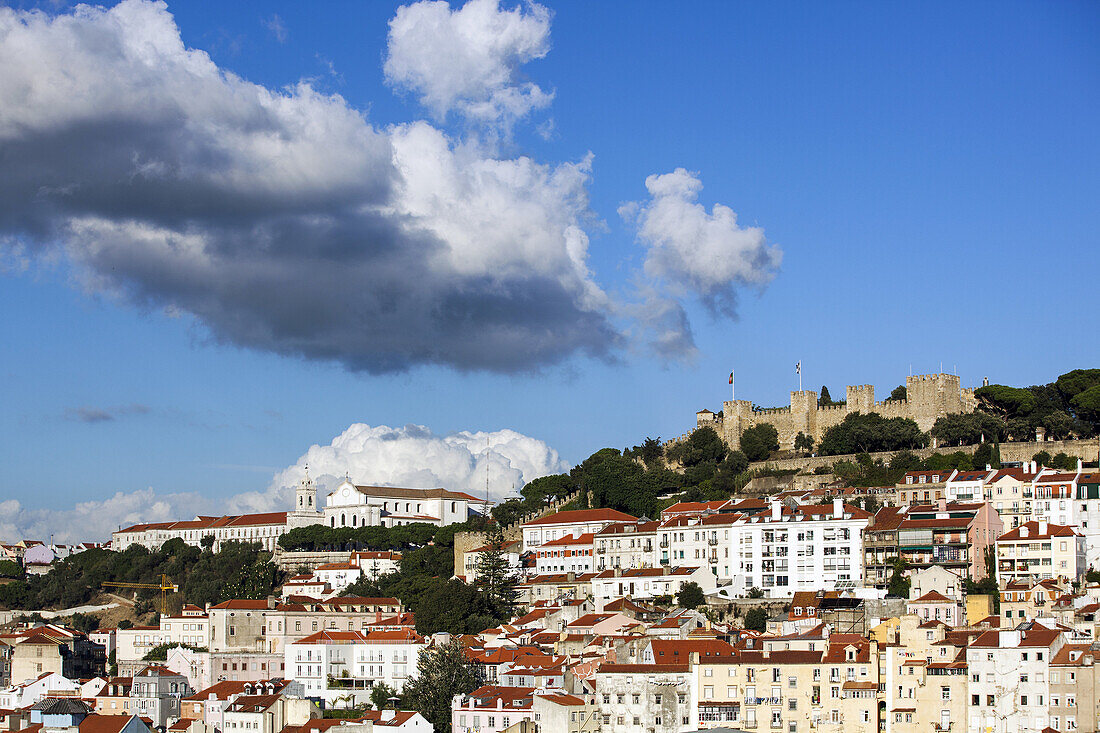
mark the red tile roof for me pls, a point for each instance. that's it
(579, 516)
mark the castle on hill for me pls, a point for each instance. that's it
(928, 398)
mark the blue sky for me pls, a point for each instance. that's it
(931, 175)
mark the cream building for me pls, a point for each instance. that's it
(824, 684)
(1040, 551)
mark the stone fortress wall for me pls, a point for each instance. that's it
(929, 397)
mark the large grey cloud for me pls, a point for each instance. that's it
(283, 220)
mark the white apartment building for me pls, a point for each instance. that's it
(1038, 551)
(264, 529)
(1011, 491)
(644, 583)
(571, 553)
(968, 486)
(645, 697)
(573, 522)
(626, 545)
(345, 665)
(1009, 680)
(780, 550)
(191, 627)
(491, 709)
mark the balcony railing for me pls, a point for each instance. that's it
(664, 544)
(664, 561)
(713, 560)
(712, 541)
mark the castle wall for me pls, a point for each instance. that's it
(1087, 450)
(929, 397)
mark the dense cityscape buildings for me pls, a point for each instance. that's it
(354, 356)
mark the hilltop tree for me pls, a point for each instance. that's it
(803, 442)
(870, 433)
(758, 442)
(899, 393)
(702, 446)
(495, 576)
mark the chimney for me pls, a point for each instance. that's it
(1042, 526)
(1023, 531)
(941, 505)
(777, 511)
(388, 715)
(1034, 467)
(1078, 465)
(838, 508)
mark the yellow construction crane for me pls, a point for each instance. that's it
(165, 587)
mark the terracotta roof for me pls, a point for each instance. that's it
(932, 597)
(584, 539)
(577, 516)
(104, 723)
(241, 604)
(397, 492)
(1053, 530)
(610, 668)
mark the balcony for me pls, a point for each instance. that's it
(942, 727)
(713, 541)
(601, 550)
(713, 559)
(664, 544)
(664, 561)
(750, 724)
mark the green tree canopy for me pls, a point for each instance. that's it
(442, 672)
(690, 596)
(702, 446)
(899, 393)
(869, 433)
(758, 442)
(756, 619)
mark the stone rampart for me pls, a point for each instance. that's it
(1086, 450)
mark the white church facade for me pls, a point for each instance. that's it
(348, 505)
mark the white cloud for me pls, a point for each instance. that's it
(411, 456)
(275, 25)
(691, 251)
(468, 60)
(93, 521)
(415, 457)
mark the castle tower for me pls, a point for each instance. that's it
(861, 398)
(803, 416)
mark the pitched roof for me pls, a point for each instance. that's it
(578, 516)
(584, 539)
(105, 723)
(1053, 530)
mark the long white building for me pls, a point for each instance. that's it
(348, 505)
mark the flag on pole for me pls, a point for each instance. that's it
(731, 377)
(798, 368)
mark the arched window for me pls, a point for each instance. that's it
(332, 521)
(454, 507)
(343, 521)
(354, 519)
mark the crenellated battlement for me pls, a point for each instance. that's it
(929, 397)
